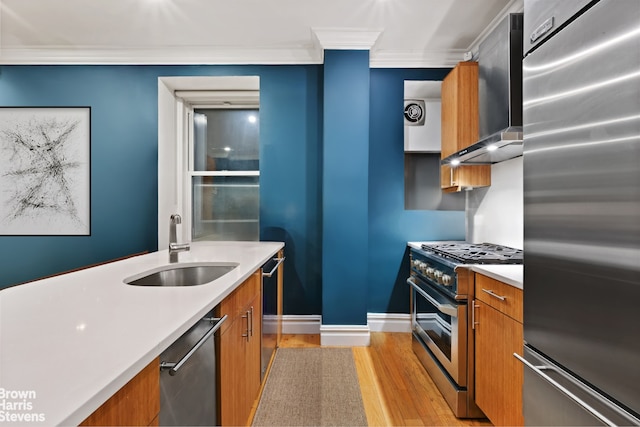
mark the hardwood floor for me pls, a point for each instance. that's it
(396, 390)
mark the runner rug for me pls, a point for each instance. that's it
(311, 387)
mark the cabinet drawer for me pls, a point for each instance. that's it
(501, 296)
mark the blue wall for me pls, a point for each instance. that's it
(123, 102)
(345, 187)
(291, 178)
(124, 134)
(390, 225)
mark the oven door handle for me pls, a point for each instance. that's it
(443, 308)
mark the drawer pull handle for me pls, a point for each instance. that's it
(173, 367)
(251, 321)
(275, 267)
(473, 314)
(246, 334)
(493, 294)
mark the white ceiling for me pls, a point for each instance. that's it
(400, 33)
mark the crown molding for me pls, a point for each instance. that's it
(378, 59)
(215, 56)
(312, 53)
(346, 38)
(65, 55)
(416, 59)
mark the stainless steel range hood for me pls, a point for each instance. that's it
(499, 97)
(503, 145)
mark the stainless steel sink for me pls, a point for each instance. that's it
(182, 274)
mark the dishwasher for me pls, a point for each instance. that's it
(188, 377)
(271, 276)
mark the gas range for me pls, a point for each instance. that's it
(442, 314)
(436, 262)
(475, 253)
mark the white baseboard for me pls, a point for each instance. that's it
(341, 335)
(389, 322)
(301, 324)
(344, 335)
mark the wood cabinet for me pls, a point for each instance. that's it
(498, 334)
(137, 403)
(238, 352)
(459, 128)
(238, 355)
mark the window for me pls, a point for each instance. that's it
(223, 173)
(207, 196)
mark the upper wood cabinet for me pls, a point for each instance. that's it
(498, 334)
(460, 128)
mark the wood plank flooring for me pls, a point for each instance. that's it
(395, 388)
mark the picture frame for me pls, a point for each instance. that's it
(45, 171)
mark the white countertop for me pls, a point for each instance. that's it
(508, 273)
(71, 341)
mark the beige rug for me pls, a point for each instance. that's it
(311, 387)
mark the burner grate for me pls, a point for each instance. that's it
(476, 253)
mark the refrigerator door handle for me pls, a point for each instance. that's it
(538, 370)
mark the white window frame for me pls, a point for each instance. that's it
(187, 171)
(177, 96)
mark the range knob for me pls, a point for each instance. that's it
(418, 266)
(429, 271)
(446, 280)
(438, 275)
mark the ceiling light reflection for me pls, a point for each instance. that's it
(581, 144)
(586, 52)
(581, 90)
(533, 135)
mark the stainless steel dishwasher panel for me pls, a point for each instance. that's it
(188, 377)
(270, 273)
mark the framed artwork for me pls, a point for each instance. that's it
(45, 171)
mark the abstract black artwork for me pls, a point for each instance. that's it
(45, 159)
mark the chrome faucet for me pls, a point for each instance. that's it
(174, 246)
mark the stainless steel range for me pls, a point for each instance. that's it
(440, 314)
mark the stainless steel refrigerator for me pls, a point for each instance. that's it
(581, 120)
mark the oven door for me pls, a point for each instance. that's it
(441, 323)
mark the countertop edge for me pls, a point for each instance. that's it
(89, 396)
(501, 274)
